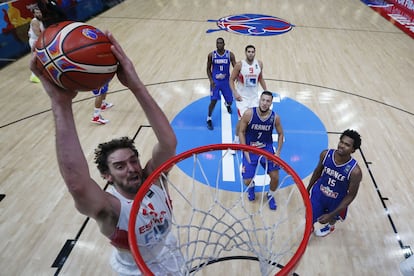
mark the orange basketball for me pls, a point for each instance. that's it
(76, 56)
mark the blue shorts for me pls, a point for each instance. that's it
(101, 91)
(322, 204)
(249, 169)
(222, 86)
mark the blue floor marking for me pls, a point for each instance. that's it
(305, 138)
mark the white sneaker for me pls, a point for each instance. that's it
(106, 106)
(324, 231)
(34, 79)
(99, 120)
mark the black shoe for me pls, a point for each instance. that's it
(210, 125)
(229, 109)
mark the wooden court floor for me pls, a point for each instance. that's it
(343, 61)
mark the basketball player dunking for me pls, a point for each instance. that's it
(119, 164)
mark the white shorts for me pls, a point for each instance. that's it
(246, 103)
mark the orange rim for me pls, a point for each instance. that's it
(293, 262)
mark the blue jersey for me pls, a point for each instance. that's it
(259, 131)
(221, 66)
(259, 134)
(332, 186)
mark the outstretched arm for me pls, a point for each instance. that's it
(167, 142)
(89, 198)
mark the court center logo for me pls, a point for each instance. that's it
(252, 25)
(377, 3)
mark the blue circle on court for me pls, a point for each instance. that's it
(305, 138)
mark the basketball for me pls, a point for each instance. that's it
(76, 56)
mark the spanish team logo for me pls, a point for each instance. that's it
(252, 25)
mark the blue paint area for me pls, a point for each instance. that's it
(190, 125)
(305, 138)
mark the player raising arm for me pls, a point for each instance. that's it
(119, 164)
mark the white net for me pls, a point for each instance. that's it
(218, 229)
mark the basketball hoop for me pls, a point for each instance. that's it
(213, 225)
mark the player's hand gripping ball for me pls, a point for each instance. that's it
(76, 56)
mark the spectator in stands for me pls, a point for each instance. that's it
(51, 11)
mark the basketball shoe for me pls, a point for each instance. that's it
(229, 110)
(250, 192)
(34, 79)
(210, 125)
(272, 202)
(99, 120)
(106, 106)
(324, 231)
